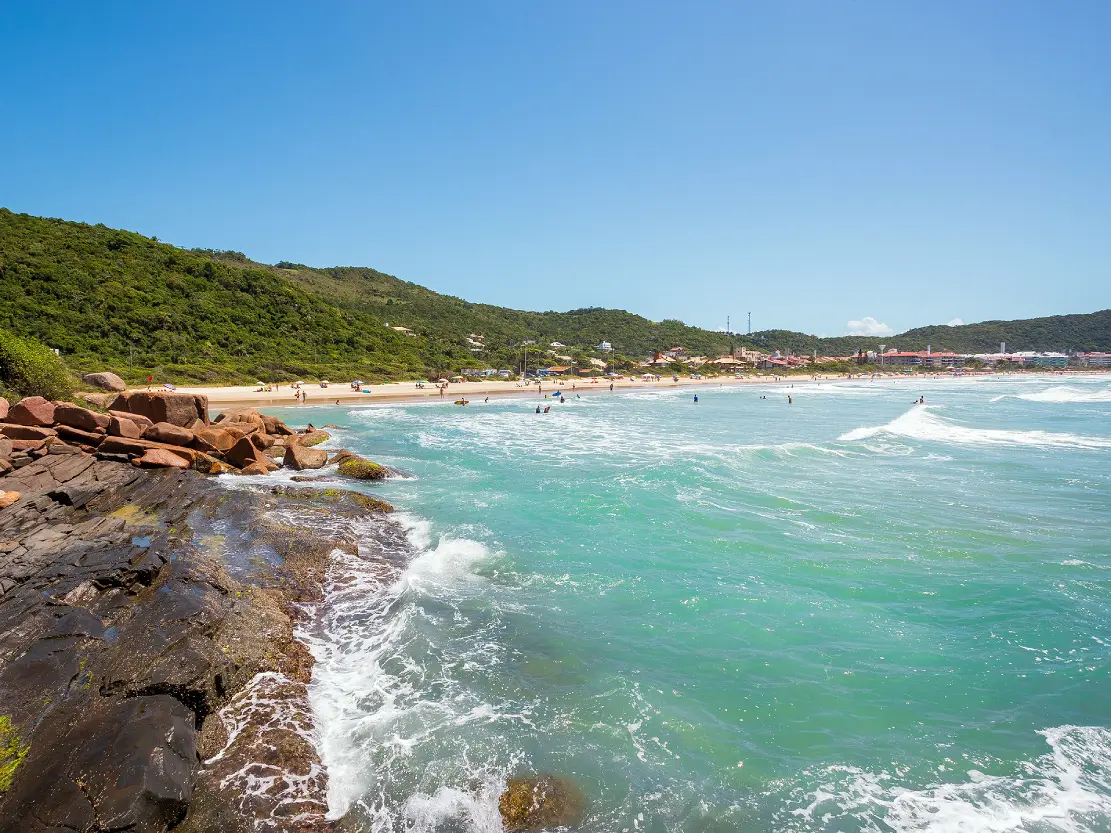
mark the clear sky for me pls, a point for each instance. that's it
(816, 163)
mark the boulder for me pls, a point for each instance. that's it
(210, 465)
(5, 448)
(136, 448)
(254, 468)
(262, 441)
(164, 406)
(301, 458)
(541, 802)
(273, 425)
(160, 458)
(78, 417)
(138, 419)
(8, 498)
(218, 438)
(362, 469)
(164, 432)
(244, 453)
(32, 410)
(3, 409)
(104, 381)
(25, 432)
(120, 426)
(27, 445)
(76, 435)
(312, 437)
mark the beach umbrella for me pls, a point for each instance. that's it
(444, 381)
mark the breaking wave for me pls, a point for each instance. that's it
(1061, 393)
(1066, 790)
(920, 423)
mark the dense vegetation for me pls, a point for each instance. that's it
(110, 299)
(27, 368)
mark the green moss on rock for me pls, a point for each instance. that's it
(540, 802)
(12, 752)
(362, 469)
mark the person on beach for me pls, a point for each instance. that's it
(611, 387)
(487, 399)
(337, 401)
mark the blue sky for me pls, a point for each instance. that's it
(815, 163)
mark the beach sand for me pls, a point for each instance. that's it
(224, 397)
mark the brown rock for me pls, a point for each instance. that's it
(8, 498)
(197, 426)
(119, 426)
(25, 432)
(164, 432)
(136, 448)
(301, 458)
(138, 419)
(3, 409)
(262, 441)
(32, 410)
(78, 417)
(5, 448)
(76, 435)
(210, 465)
(273, 425)
(254, 468)
(27, 445)
(218, 438)
(541, 802)
(239, 429)
(160, 458)
(312, 437)
(244, 453)
(104, 381)
(164, 406)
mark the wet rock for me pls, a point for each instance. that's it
(541, 802)
(255, 469)
(32, 410)
(164, 432)
(362, 469)
(311, 438)
(156, 458)
(300, 458)
(164, 406)
(105, 381)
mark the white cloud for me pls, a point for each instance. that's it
(956, 322)
(868, 326)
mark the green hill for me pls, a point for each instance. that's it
(114, 299)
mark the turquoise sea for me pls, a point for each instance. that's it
(848, 613)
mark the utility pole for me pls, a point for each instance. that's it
(750, 323)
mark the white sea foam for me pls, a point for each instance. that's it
(1067, 790)
(386, 686)
(1062, 394)
(921, 423)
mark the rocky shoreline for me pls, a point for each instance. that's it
(150, 675)
(150, 679)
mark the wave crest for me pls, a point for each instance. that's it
(920, 423)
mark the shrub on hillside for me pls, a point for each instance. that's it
(28, 368)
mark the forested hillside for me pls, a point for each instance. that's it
(114, 299)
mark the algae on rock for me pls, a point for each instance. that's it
(12, 752)
(362, 469)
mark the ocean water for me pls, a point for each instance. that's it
(848, 613)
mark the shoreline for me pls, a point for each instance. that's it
(221, 397)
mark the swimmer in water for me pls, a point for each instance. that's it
(547, 408)
(537, 409)
(789, 400)
(696, 398)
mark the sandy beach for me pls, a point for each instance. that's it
(341, 392)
